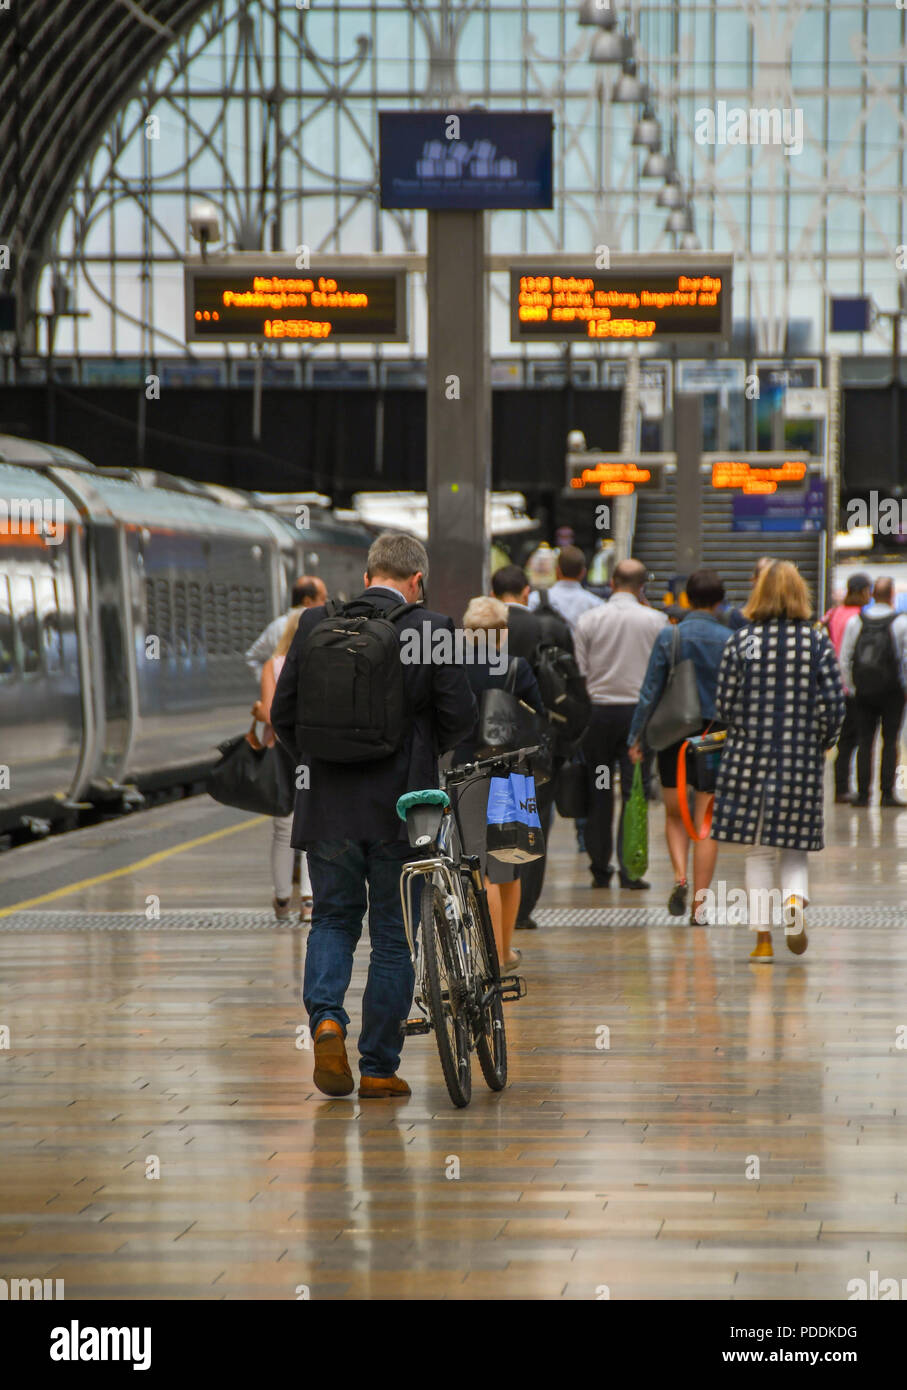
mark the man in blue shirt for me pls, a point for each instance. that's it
(567, 595)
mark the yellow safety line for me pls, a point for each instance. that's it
(131, 868)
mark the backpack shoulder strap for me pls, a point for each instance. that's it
(510, 679)
(544, 600)
(399, 611)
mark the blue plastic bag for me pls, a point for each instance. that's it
(514, 831)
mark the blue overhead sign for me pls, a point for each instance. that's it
(466, 159)
(851, 315)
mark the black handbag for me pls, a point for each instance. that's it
(253, 778)
(505, 722)
(678, 713)
(571, 791)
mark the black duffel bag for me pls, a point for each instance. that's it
(253, 778)
(571, 791)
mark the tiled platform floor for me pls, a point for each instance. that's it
(632, 1166)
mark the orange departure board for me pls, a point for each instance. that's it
(752, 479)
(612, 479)
(633, 304)
(268, 303)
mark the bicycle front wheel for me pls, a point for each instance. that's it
(446, 996)
(490, 1036)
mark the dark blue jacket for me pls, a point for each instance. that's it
(357, 801)
(702, 638)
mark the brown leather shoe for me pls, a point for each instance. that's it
(382, 1087)
(332, 1070)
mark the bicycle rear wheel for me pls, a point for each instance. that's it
(446, 996)
(488, 1029)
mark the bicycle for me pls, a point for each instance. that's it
(460, 990)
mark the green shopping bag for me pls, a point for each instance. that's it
(636, 828)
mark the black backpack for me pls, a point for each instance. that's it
(555, 629)
(875, 666)
(563, 692)
(350, 698)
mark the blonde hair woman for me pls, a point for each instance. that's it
(487, 669)
(282, 851)
(780, 695)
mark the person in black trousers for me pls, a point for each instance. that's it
(525, 630)
(502, 881)
(879, 692)
(613, 643)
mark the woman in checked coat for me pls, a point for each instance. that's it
(780, 695)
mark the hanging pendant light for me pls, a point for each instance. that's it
(609, 47)
(671, 196)
(657, 166)
(648, 130)
(680, 220)
(628, 87)
(601, 13)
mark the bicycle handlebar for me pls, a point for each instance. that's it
(465, 770)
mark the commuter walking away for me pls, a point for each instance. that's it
(874, 667)
(613, 644)
(282, 853)
(701, 638)
(360, 759)
(780, 695)
(835, 621)
(526, 633)
(502, 881)
(308, 592)
(566, 595)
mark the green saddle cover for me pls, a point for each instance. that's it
(432, 796)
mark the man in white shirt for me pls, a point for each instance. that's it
(308, 592)
(567, 595)
(613, 643)
(878, 692)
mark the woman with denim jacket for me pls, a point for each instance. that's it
(702, 639)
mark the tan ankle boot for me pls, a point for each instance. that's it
(382, 1087)
(332, 1070)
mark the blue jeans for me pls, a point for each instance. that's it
(339, 870)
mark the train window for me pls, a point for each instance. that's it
(51, 634)
(180, 619)
(159, 614)
(196, 627)
(7, 633)
(27, 621)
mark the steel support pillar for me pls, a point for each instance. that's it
(458, 411)
(689, 482)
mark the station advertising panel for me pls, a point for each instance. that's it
(632, 302)
(261, 302)
(466, 160)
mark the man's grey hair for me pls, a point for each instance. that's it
(396, 556)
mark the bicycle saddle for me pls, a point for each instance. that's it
(431, 796)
